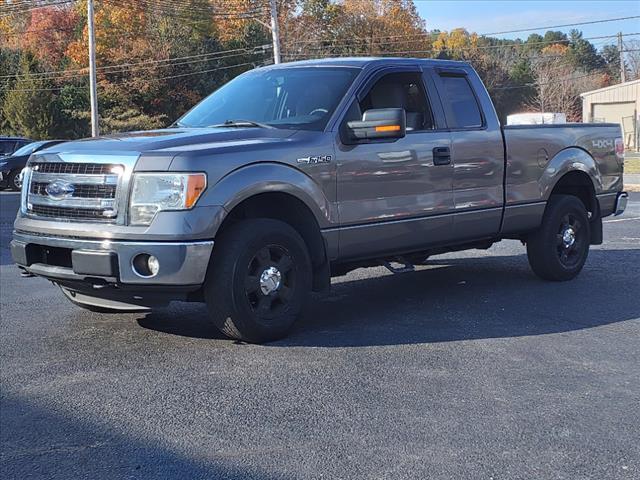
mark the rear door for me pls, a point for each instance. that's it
(392, 195)
(477, 153)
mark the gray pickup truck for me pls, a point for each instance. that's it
(294, 173)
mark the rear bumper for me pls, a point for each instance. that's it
(110, 262)
(621, 203)
(613, 203)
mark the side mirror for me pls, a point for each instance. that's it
(379, 123)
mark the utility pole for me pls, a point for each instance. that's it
(623, 73)
(95, 129)
(275, 32)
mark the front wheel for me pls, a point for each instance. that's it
(258, 280)
(558, 249)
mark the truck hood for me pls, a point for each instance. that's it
(173, 140)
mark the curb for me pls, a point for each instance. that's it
(632, 187)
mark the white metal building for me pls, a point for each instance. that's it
(616, 104)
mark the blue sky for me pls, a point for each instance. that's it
(494, 15)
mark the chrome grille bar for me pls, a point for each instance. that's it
(75, 168)
(78, 187)
(77, 178)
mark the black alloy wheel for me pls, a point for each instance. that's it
(559, 248)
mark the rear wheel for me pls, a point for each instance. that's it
(558, 249)
(258, 280)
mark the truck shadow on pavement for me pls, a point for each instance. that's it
(451, 300)
(40, 442)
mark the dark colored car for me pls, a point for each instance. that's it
(8, 145)
(12, 165)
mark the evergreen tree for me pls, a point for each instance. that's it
(27, 107)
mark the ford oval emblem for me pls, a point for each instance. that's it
(59, 189)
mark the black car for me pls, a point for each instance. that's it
(12, 165)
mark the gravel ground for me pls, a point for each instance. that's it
(470, 368)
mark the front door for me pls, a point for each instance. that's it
(395, 195)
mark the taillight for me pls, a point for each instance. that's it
(619, 148)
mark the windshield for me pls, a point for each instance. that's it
(27, 149)
(296, 98)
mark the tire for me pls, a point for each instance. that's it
(11, 181)
(258, 280)
(558, 250)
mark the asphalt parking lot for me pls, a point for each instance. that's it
(470, 367)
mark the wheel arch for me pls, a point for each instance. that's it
(576, 173)
(281, 193)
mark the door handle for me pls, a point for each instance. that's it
(441, 156)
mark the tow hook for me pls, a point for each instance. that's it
(24, 273)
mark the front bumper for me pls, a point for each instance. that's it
(110, 262)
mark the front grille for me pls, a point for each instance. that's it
(80, 191)
(74, 191)
(76, 168)
(72, 213)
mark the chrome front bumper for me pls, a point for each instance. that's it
(111, 261)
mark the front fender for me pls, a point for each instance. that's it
(269, 177)
(565, 161)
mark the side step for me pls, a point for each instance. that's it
(407, 266)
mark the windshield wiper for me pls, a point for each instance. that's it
(240, 124)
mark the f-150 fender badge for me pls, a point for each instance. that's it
(312, 159)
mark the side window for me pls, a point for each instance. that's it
(461, 106)
(7, 147)
(401, 90)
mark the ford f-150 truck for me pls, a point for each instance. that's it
(294, 173)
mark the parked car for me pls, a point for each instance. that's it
(8, 145)
(12, 165)
(294, 173)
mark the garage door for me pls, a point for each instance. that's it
(613, 112)
(623, 113)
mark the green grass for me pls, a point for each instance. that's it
(632, 165)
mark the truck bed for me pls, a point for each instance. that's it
(530, 149)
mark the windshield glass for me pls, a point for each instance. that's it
(296, 98)
(27, 149)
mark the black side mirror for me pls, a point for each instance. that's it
(379, 123)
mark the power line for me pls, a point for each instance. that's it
(619, 19)
(106, 68)
(433, 50)
(177, 10)
(432, 34)
(7, 12)
(200, 72)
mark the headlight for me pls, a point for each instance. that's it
(154, 192)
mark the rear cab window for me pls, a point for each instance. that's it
(461, 107)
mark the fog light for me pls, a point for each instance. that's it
(145, 265)
(153, 264)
